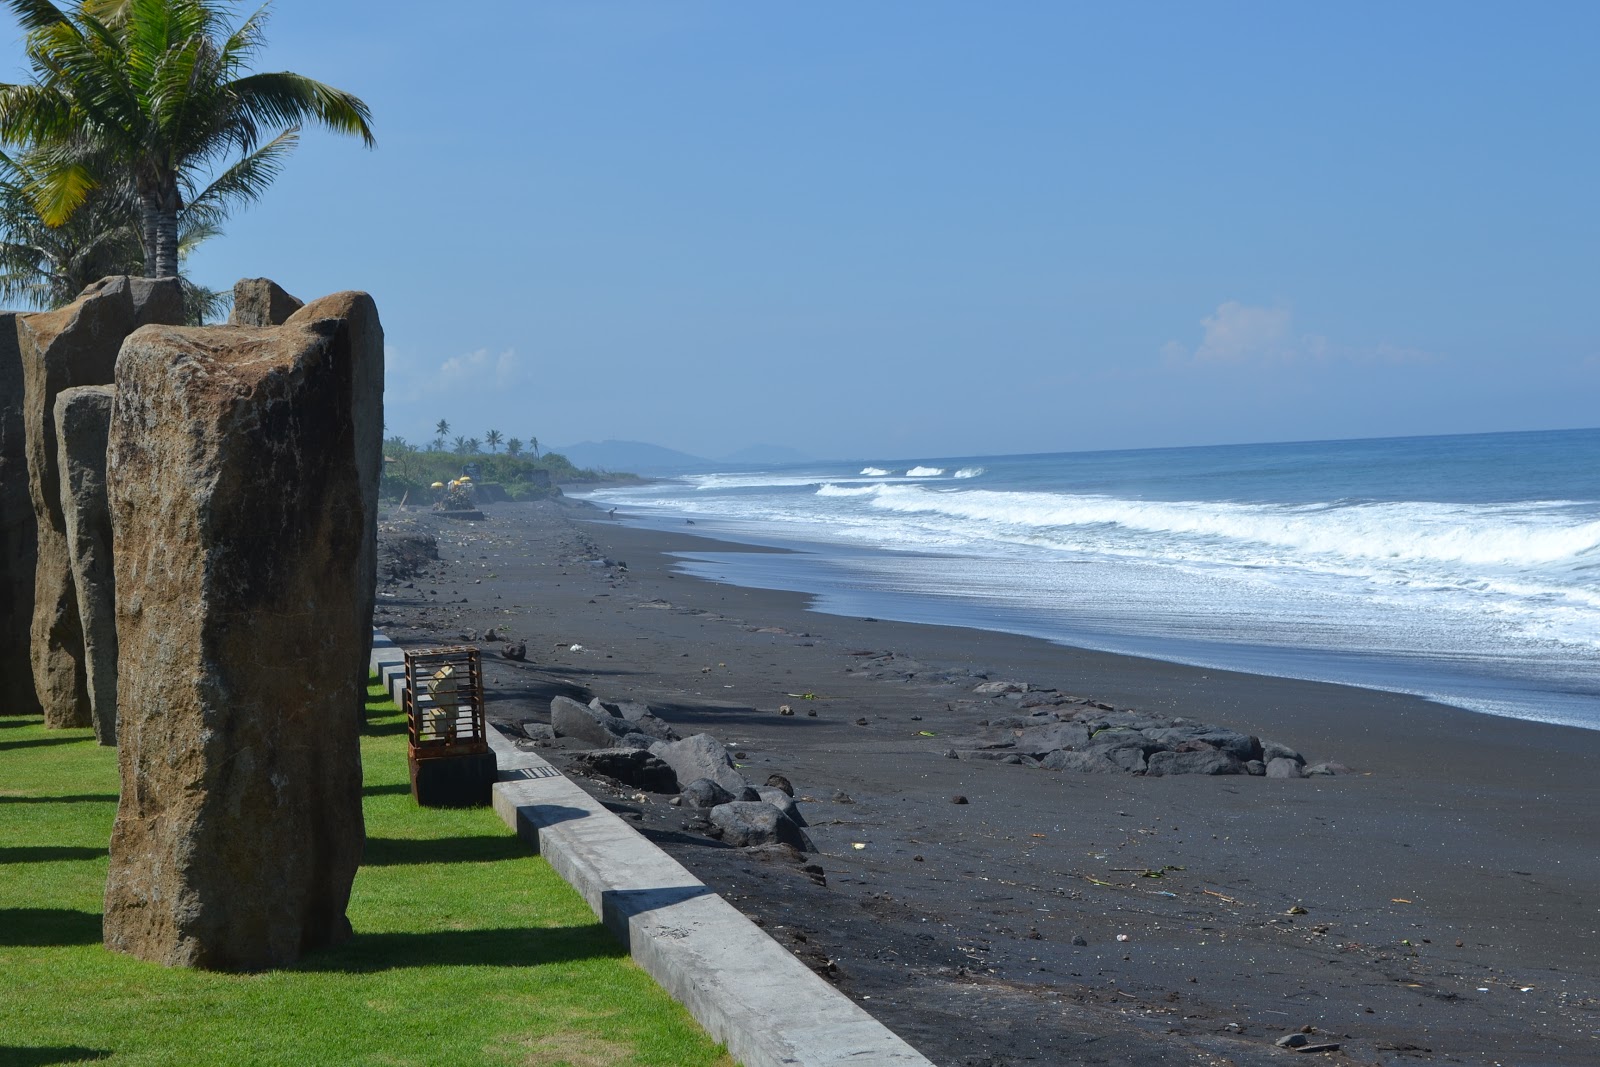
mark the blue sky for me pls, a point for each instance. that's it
(921, 228)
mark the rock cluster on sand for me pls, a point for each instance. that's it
(243, 497)
(1044, 728)
(634, 747)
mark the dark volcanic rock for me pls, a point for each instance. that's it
(782, 801)
(1210, 761)
(1241, 747)
(704, 793)
(83, 427)
(631, 766)
(74, 345)
(19, 534)
(592, 726)
(702, 756)
(1283, 767)
(1083, 762)
(1271, 750)
(638, 716)
(1038, 740)
(746, 822)
(238, 496)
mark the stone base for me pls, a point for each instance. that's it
(463, 781)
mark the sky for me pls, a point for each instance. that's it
(903, 228)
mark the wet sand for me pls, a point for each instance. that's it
(1450, 887)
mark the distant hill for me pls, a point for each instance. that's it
(641, 457)
(635, 456)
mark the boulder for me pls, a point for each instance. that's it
(73, 345)
(19, 534)
(1325, 770)
(1038, 740)
(261, 302)
(1241, 747)
(353, 316)
(1271, 750)
(782, 801)
(1208, 761)
(704, 793)
(630, 766)
(83, 426)
(755, 822)
(598, 728)
(702, 756)
(1283, 767)
(1081, 762)
(1000, 688)
(639, 716)
(239, 529)
(1129, 755)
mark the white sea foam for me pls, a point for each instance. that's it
(969, 472)
(874, 472)
(924, 472)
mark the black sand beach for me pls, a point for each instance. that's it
(1441, 903)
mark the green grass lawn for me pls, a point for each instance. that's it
(469, 949)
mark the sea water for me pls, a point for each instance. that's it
(1465, 569)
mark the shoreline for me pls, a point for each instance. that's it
(955, 924)
(817, 575)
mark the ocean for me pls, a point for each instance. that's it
(1464, 569)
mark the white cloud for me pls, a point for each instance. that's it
(1239, 335)
(480, 369)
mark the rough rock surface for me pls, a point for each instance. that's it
(637, 767)
(704, 793)
(239, 471)
(584, 723)
(702, 756)
(360, 340)
(261, 302)
(639, 716)
(74, 345)
(83, 427)
(19, 534)
(755, 822)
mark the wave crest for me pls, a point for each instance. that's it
(924, 472)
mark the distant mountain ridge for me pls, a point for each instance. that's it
(641, 457)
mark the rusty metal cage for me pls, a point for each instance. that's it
(449, 746)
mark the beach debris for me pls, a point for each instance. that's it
(958, 799)
(785, 709)
(1296, 910)
(1122, 937)
(861, 722)
(811, 713)
(576, 648)
(1220, 896)
(517, 650)
(1399, 900)
(841, 797)
(858, 844)
(1080, 941)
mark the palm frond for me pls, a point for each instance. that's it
(247, 180)
(288, 99)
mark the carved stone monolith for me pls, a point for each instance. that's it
(74, 345)
(239, 530)
(261, 302)
(83, 423)
(19, 535)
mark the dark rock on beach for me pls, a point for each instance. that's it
(743, 823)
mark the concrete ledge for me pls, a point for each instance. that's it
(749, 992)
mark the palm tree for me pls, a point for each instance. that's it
(493, 438)
(474, 445)
(533, 442)
(442, 428)
(47, 266)
(514, 447)
(150, 94)
(460, 445)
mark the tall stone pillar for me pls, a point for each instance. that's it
(83, 425)
(239, 526)
(19, 535)
(74, 345)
